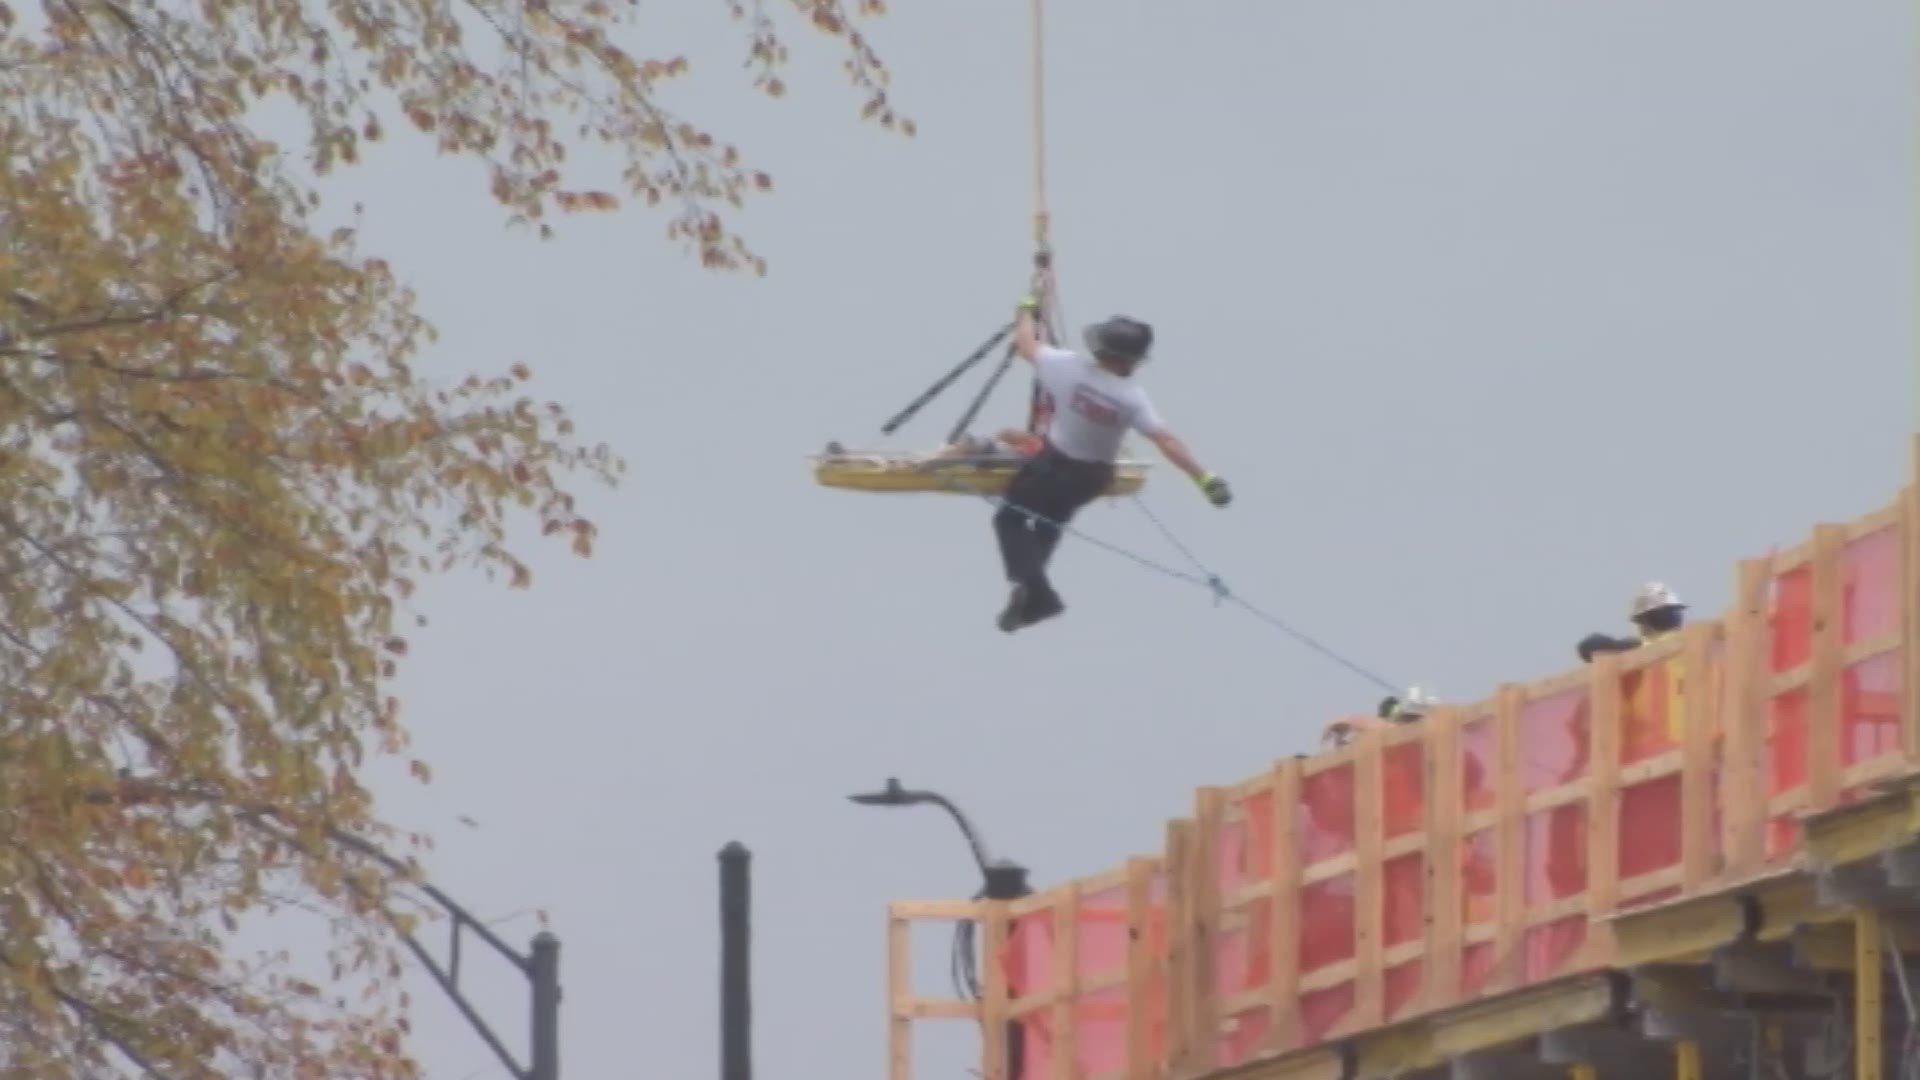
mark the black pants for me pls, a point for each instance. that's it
(1054, 486)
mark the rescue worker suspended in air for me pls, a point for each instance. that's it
(1656, 613)
(1090, 402)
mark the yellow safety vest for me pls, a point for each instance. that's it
(1653, 707)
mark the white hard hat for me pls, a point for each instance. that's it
(1416, 702)
(1652, 597)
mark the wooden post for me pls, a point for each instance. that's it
(1444, 899)
(1283, 915)
(1180, 946)
(1603, 802)
(994, 1000)
(1209, 815)
(1867, 1007)
(1141, 980)
(899, 995)
(1696, 757)
(1910, 609)
(1509, 832)
(1066, 983)
(1823, 686)
(1369, 882)
(1743, 723)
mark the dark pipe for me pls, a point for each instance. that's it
(544, 973)
(736, 994)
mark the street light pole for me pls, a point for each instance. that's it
(736, 976)
(540, 965)
(1001, 879)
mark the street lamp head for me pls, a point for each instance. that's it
(891, 795)
(1006, 880)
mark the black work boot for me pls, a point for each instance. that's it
(1042, 604)
(1014, 615)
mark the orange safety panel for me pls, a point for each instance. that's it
(1554, 750)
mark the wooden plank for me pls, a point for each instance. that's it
(1574, 791)
(929, 910)
(1603, 805)
(1086, 886)
(1369, 885)
(941, 1009)
(1697, 669)
(1179, 978)
(1283, 928)
(1205, 988)
(899, 993)
(1910, 607)
(1326, 759)
(1066, 983)
(1444, 901)
(1141, 1062)
(1509, 875)
(1884, 518)
(994, 999)
(1743, 720)
(1823, 689)
(1851, 653)
(1650, 882)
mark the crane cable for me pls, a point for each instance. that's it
(1046, 277)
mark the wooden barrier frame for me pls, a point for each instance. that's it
(1177, 912)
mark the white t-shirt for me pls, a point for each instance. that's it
(1091, 408)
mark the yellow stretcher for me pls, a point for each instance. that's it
(937, 474)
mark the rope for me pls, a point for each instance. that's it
(1037, 43)
(1202, 576)
(1047, 284)
(1222, 592)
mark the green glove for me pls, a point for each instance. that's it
(1214, 488)
(1030, 304)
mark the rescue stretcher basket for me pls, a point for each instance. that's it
(929, 473)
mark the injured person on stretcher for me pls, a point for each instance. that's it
(1010, 444)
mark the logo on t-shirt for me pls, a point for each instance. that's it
(1095, 406)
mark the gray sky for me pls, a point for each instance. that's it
(1489, 311)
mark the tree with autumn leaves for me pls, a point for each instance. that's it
(223, 473)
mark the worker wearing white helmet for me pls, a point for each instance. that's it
(1657, 611)
(1394, 709)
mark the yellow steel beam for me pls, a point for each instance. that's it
(1866, 995)
(1395, 1051)
(1830, 947)
(1695, 925)
(1317, 1063)
(1432, 1041)
(1686, 1061)
(1863, 829)
(1791, 901)
(1515, 1016)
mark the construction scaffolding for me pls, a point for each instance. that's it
(1700, 859)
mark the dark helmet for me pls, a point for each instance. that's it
(1120, 338)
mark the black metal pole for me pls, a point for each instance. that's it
(736, 987)
(945, 381)
(544, 973)
(980, 399)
